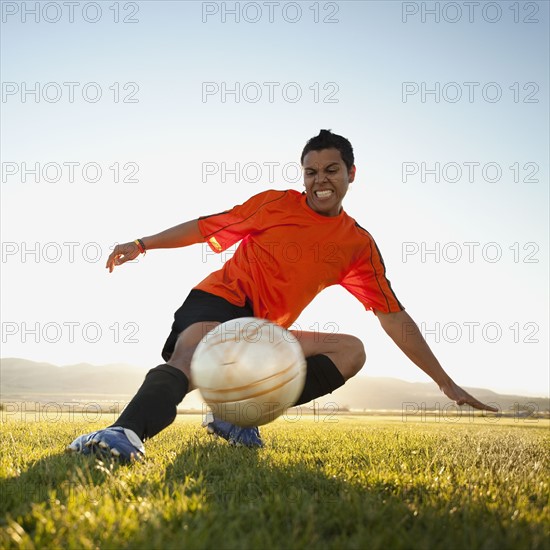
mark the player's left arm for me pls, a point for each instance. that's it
(401, 328)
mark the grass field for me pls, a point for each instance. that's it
(355, 482)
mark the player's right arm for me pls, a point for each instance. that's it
(219, 230)
(181, 235)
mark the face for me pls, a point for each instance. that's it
(326, 179)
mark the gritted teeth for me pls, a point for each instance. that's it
(323, 194)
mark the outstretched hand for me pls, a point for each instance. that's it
(462, 397)
(121, 254)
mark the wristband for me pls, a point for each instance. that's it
(141, 246)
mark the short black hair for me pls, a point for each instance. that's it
(327, 140)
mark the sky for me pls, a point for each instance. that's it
(121, 119)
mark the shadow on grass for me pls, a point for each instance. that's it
(55, 478)
(245, 501)
(212, 495)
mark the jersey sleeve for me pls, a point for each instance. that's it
(226, 228)
(367, 281)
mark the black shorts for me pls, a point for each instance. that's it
(202, 306)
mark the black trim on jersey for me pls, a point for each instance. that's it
(384, 266)
(211, 215)
(240, 221)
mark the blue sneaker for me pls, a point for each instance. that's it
(235, 435)
(119, 442)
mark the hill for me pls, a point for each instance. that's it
(24, 380)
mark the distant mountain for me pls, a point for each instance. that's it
(23, 380)
(394, 394)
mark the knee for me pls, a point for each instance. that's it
(355, 356)
(182, 355)
(186, 344)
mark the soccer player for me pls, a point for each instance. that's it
(262, 279)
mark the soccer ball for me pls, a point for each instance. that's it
(249, 371)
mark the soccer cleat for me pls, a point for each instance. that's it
(119, 442)
(235, 435)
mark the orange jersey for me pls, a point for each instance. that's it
(289, 253)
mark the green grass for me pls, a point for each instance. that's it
(358, 482)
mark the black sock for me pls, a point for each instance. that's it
(154, 405)
(322, 377)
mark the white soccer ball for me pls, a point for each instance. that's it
(249, 371)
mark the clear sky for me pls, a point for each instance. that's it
(170, 110)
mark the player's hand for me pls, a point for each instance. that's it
(462, 397)
(121, 254)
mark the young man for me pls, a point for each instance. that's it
(263, 280)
